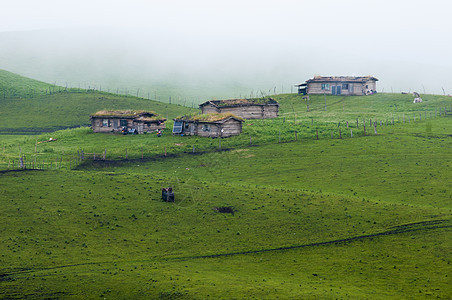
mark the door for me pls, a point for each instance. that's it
(140, 128)
(336, 90)
(177, 127)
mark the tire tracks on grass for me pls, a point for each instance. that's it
(412, 227)
(399, 229)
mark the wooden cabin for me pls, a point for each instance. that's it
(339, 85)
(126, 120)
(259, 108)
(208, 125)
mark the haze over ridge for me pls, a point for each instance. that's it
(200, 51)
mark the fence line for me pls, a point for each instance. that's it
(69, 161)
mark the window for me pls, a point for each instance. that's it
(345, 86)
(205, 127)
(325, 86)
(105, 123)
(123, 123)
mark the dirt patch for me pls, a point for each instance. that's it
(224, 209)
(239, 150)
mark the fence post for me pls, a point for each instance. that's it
(357, 123)
(317, 133)
(351, 132)
(375, 127)
(193, 148)
(364, 129)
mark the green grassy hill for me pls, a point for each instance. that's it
(345, 218)
(317, 213)
(16, 86)
(58, 108)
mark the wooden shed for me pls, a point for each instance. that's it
(208, 125)
(339, 85)
(120, 120)
(258, 108)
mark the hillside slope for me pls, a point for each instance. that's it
(367, 217)
(42, 107)
(15, 86)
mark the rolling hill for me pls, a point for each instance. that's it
(305, 206)
(34, 107)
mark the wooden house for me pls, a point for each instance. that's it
(208, 125)
(339, 85)
(259, 108)
(126, 120)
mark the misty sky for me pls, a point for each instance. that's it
(406, 44)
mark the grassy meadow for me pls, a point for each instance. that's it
(312, 212)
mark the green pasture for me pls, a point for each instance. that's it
(68, 145)
(16, 86)
(48, 113)
(108, 234)
(312, 219)
(293, 208)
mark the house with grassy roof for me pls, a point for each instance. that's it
(257, 108)
(126, 120)
(213, 125)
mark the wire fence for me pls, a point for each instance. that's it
(290, 133)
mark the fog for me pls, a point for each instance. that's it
(197, 50)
